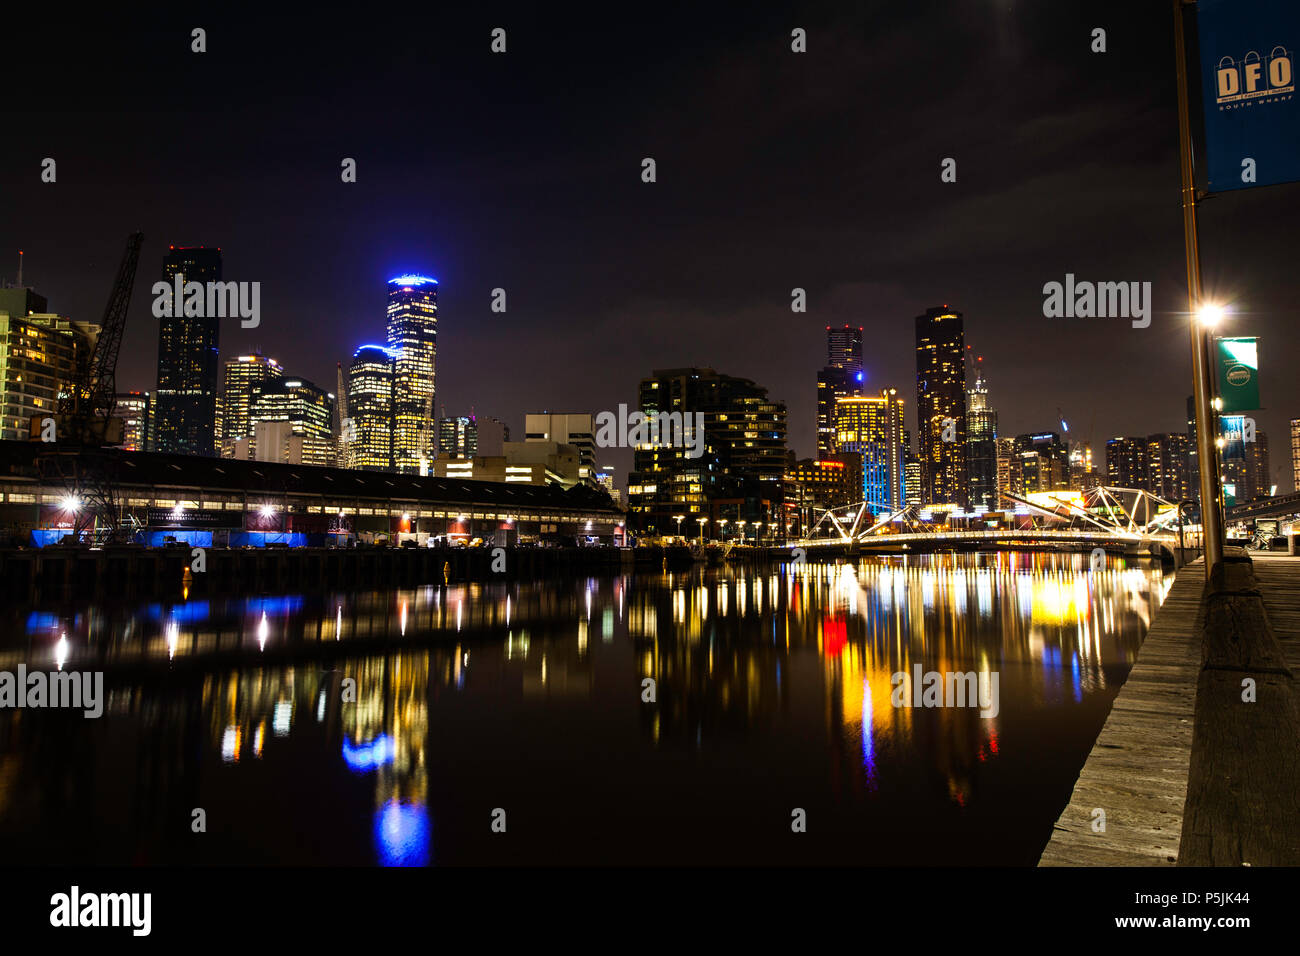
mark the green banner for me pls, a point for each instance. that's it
(1238, 361)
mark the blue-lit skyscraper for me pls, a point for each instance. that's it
(872, 426)
(413, 340)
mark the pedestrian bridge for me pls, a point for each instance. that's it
(1114, 520)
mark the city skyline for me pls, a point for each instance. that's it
(548, 232)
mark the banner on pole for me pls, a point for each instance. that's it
(1238, 364)
(1248, 84)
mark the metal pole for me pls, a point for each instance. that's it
(1206, 449)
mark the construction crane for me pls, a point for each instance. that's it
(76, 453)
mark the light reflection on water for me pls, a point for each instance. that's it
(386, 727)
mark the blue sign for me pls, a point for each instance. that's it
(1252, 117)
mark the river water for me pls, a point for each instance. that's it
(513, 722)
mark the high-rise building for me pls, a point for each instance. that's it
(982, 444)
(568, 429)
(22, 301)
(368, 429)
(458, 437)
(1260, 474)
(842, 377)
(413, 340)
(941, 406)
(1167, 466)
(737, 476)
(1295, 452)
(291, 421)
(911, 470)
(1011, 473)
(1126, 463)
(1245, 463)
(605, 479)
(814, 486)
(1044, 462)
(40, 354)
(872, 426)
(185, 402)
(1193, 455)
(240, 377)
(844, 348)
(134, 409)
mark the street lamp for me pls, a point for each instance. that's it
(741, 524)
(678, 519)
(722, 529)
(1210, 315)
(703, 522)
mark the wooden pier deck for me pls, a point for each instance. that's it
(1139, 770)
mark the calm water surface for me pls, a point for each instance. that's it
(773, 692)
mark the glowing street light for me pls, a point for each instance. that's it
(71, 503)
(1210, 315)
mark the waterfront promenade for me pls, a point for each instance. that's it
(1186, 770)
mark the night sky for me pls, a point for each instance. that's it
(775, 170)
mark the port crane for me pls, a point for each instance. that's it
(77, 439)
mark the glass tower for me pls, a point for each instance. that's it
(413, 340)
(185, 402)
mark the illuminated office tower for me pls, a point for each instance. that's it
(458, 437)
(239, 378)
(134, 408)
(872, 426)
(1044, 462)
(1167, 466)
(185, 402)
(739, 473)
(291, 421)
(1295, 453)
(941, 406)
(982, 444)
(413, 340)
(39, 356)
(1126, 463)
(842, 377)
(368, 429)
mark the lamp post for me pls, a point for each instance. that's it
(741, 525)
(1205, 316)
(703, 522)
(678, 519)
(722, 530)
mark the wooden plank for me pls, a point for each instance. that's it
(1137, 770)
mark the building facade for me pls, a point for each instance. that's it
(40, 355)
(941, 406)
(574, 429)
(368, 429)
(413, 341)
(185, 401)
(982, 445)
(737, 476)
(873, 428)
(134, 409)
(240, 377)
(841, 378)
